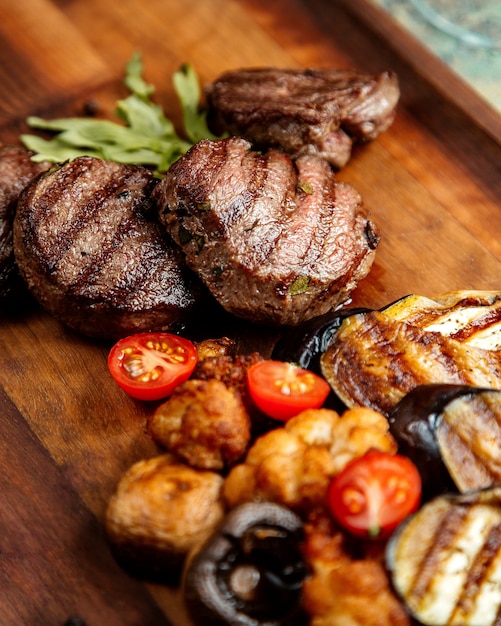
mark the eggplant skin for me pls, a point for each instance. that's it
(445, 560)
(453, 435)
(469, 439)
(413, 424)
(304, 344)
(377, 357)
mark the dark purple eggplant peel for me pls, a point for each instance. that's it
(304, 344)
(453, 434)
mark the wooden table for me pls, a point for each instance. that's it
(432, 183)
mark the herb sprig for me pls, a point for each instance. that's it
(142, 133)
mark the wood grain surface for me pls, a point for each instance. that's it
(432, 183)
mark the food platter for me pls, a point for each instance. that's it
(432, 183)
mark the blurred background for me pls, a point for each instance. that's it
(465, 34)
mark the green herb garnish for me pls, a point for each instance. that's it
(188, 91)
(142, 133)
(306, 187)
(300, 285)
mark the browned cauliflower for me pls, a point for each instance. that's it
(293, 465)
(346, 589)
(231, 369)
(205, 423)
(210, 348)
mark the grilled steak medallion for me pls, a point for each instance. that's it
(276, 242)
(305, 111)
(93, 254)
(16, 171)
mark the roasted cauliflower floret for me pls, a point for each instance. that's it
(293, 465)
(205, 423)
(231, 369)
(346, 589)
(209, 348)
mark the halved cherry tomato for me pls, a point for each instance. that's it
(374, 493)
(149, 366)
(282, 390)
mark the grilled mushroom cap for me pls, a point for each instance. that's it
(250, 572)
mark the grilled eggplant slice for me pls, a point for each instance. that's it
(445, 561)
(376, 357)
(304, 344)
(453, 435)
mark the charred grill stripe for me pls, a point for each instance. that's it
(317, 244)
(261, 228)
(476, 439)
(461, 540)
(51, 199)
(478, 325)
(443, 539)
(229, 212)
(83, 209)
(469, 301)
(90, 260)
(447, 318)
(481, 575)
(93, 267)
(264, 249)
(473, 323)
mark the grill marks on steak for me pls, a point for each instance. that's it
(93, 254)
(319, 111)
(275, 241)
(16, 171)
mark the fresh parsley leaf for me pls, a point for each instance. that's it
(134, 78)
(142, 134)
(187, 88)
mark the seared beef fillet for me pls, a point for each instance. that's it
(93, 256)
(16, 171)
(304, 111)
(276, 242)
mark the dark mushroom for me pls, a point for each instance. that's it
(452, 433)
(250, 572)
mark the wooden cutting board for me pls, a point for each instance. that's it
(432, 183)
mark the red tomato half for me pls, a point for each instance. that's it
(149, 366)
(374, 493)
(282, 390)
